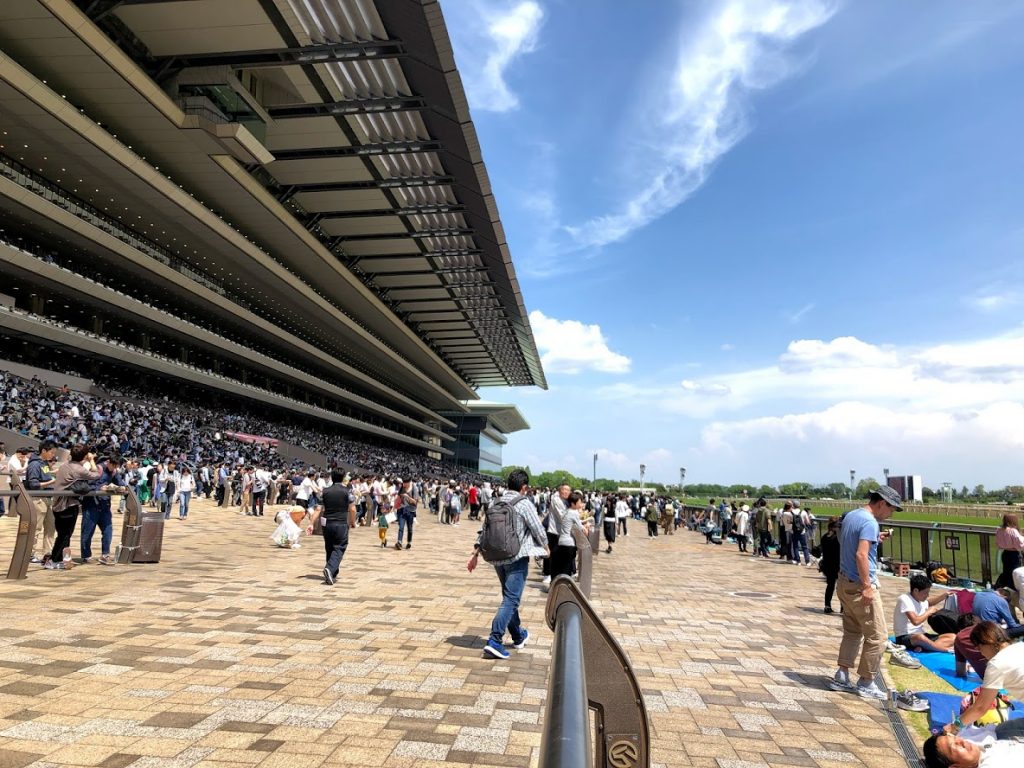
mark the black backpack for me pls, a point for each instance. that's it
(499, 539)
(798, 522)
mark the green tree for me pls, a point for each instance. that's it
(865, 487)
(796, 490)
(556, 478)
(979, 491)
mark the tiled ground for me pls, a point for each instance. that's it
(232, 653)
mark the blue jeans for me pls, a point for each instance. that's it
(798, 542)
(94, 516)
(513, 580)
(405, 521)
(184, 498)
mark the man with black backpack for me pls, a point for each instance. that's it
(511, 535)
(798, 535)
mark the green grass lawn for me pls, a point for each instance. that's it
(903, 679)
(925, 517)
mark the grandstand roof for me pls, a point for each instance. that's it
(338, 132)
(505, 417)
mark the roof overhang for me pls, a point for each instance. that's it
(358, 111)
(504, 417)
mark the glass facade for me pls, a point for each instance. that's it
(473, 449)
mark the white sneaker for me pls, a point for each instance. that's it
(891, 647)
(547, 581)
(840, 681)
(903, 659)
(871, 691)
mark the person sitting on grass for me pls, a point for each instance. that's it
(1005, 672)
(912, 611)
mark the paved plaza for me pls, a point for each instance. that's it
(231, 652)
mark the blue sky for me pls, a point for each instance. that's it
(765, 240)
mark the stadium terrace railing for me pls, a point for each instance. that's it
(141, 531)
(590, 673)
(969, 552)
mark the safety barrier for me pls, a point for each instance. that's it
(141, 531)
(968, 550)
(589, 673)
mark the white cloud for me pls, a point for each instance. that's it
(569, 346)
(796, 317)
(817, 373)
(701, 107)
(961, 446)
(622, 465)
(711, 389)
(488, 37)
(727, 347)
(993, 301)
(844, 352)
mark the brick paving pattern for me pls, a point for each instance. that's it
(232, 653)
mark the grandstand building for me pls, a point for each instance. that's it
(282, 201)
(478, 437)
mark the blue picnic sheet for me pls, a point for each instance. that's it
(946, 706)
(944, 665)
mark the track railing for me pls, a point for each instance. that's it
(141, 531)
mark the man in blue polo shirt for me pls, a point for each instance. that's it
(863, 614)
(992, 606)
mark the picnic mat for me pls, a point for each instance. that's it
(946, 706)
(944, 665)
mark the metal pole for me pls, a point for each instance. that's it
(566, 739)
(595, 471)
(643, 468)
(682, 483)
(853, 473)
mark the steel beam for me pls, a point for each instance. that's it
(417, 235)
(283, 57)
(412, 210)
(350, 107)
(392, 183)
(359, 150)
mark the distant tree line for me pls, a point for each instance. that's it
(1011, 494)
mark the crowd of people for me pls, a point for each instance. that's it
(166, 452)
(135, 424)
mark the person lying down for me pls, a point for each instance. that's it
(990, 746)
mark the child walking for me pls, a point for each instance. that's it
(382, 527)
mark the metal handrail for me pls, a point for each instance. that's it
(926, 542)
(128, 550)
(566, 739)
(590, 673)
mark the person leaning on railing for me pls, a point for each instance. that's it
(39, 477)
(66, 508)
(1011, 541)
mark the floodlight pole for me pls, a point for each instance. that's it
(853, 473)
(595, 471)
(682, 482)
(643, 468)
